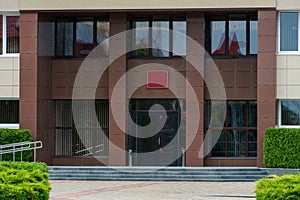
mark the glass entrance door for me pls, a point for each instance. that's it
(162, 148)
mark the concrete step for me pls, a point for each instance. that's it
(156, 173)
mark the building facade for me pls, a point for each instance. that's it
(254, 45)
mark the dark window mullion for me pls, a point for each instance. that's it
(150, 37)
(170, 37)
(227, 35)
(248, 35)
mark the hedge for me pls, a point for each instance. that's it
(8, 136)
(24, 181)
(282, 148)
(286, 187)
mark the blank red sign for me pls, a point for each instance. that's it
(157, 79)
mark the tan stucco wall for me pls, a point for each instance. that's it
(288, 77)
(138, 4)
(9, 5)
(288, 4)
(9, 77)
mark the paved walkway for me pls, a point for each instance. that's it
(123, 190)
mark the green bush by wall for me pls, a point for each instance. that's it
(286, 187)
(24, 181)
(282, 148)
(8, 136)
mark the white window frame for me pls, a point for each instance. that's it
(4, 33)
(279, 52)
(279, 115)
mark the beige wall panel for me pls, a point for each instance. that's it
(293, 62)
(281, 92)
(138, 4)
(293, 92)
(9, 5)
(281, 77)
(6, 91)
(281, 62)
(288, 73)
(6, 78)
(288, 4)
(6, 63)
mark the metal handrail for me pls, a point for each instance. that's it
(91, 153)
(20, 147)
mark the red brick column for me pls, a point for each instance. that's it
(117, 157)
(266, 77)
(195, 30)
(28, 72)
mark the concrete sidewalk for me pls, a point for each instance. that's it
(123, 190)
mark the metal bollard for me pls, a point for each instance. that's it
(183, 158)
(130, 158)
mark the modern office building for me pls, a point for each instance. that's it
(254, 44)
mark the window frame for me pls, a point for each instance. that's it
(226, 129)
(279, 117)
(4, 34)
(74, 20)
(279, 52)
(208, 18)
(150, 19)
(14, 125)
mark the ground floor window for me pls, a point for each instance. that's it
(239, 132)
(9, 111)
(91, 143)
(289, 113)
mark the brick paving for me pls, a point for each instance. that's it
(139, 190)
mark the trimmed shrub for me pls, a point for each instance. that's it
(8, 136)
(24, 181)
(286, 187)
(281, 148)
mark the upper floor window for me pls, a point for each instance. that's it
(77, 37)
(9, 33)
(232, 35)
(163, 43)
(288, 32)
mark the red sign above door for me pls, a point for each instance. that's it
(157, 79)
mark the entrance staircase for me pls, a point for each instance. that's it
(212, 174)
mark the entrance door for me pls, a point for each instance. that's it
(162, 148)
(162, 145)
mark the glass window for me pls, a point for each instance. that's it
(103, 35)
(237, 36)
(232, 35)
(88, 142)
(288, 31)
(64, 38)
(1, 33)
(253, 36)
(218, 35)
(179, 41)
(160, 39)
(12, 34)
(237, 113)
(84, 37)
(141, 38)
(239, 136)
(9, 111)
(290, 112)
